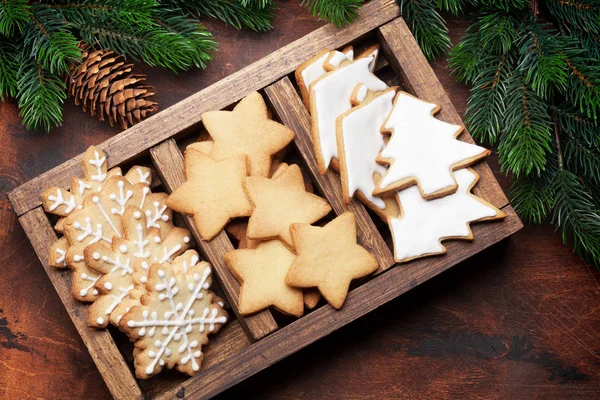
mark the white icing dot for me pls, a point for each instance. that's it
(96, 256)
(143, 279)
(84, 276)
(77, 258)
(96, 199)
(156, 239)
(95, 292)
(137, 215)
(191, 287)
(157, 343)
(149, 370)
(108, 285)
(186, 239)
(123, 248)
(161, 273)
(164, 217)
(144, 265)
(100, 321)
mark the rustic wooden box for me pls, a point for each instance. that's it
(247, 345)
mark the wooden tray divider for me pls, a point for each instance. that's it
(168, 161)
(114, 369)
(416, 76)
(290, 109)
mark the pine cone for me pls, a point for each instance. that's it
(105, 85)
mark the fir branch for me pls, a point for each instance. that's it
(530, 198)
(47, 38)
(427, 26)
(541, 59)
(583, 85)
(338, 12)
(199, 39)
(454, 6)
(575, 213)
(9, 65)
(526, 140)
(582, 159)
(574, 123)
(579, 14)
(499, 30)
(41, 96)
(135, 12)
(232, 12)
(506, 5)
(14, 15)
(486, 105)
(465, 56)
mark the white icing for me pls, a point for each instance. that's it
(350, 54)
(93, 279)
(361, 95)
(61, 259)
(141, 242)
(159, 214)
(332, 97)
(362, 142)
(422, 146)
(121, 199)
(373, 54)
(100, 320)
(168, 254)
(425, 222)
(60, 201)
(83, 186)
(96, 256)
(144, 176)
(98, 162)
(96, 201)
(145, 191)
(178, 321)
(315, 70)
(123, 248)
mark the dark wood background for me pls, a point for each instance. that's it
(520, 320)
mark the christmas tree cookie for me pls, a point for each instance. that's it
(424, 224)
(423, 150)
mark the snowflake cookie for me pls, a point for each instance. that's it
(117, 262)
(425, 223)
(99, 219)
(423, 150)
(176, 314)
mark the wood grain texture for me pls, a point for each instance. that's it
(417, 77)
(113, 368)
(168, 161)
(518, 321)
(326, 319)
(288, 105)
(187, 113)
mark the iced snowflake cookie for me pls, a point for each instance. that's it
(247, 130)
(116, 262)
(423, 150)
(330, 96)
(359, 142)
(213, 192)
(314, 68)
(424, 224)
(329, 258)
(177, 312)
(279, 202)
(99, 220)
(262, 272)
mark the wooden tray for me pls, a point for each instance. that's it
(247, 345)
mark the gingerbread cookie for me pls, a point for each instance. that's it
(213, 192)
(176, 314)
(359, 141)
(117, 262)
(424, 224)
(247, 130)
(279, 202)
(329, 258)
(262, 272)
(330, 96)
(423, 150)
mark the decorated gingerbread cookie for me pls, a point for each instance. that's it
(329, 258)
(330, 96)
(279, 202)
(117, 262)
(424, 224)
(423, 150)
(247, 130)
(359, 142)
(262, 272)
(175, 315)
(213, 192)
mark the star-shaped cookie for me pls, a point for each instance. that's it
(213, 192)
(262, 272)
(279, 202)
(247, 130)
(329, 258)
(423, 150)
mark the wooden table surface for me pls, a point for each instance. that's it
(520, 320)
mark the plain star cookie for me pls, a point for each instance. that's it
(330, 96)
(117, 262)
(213, 192)
(329, 258)
(423, 150)
(425, 223)
(176, 314)
(279, 202)
(247, 130)
(262, 273)
(359, 141)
